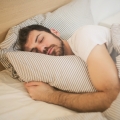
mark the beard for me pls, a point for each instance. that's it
(55, 50)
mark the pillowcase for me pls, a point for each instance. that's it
(68, 73)
(102, 9)
(115, 34)
(65, 19)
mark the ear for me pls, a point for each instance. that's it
(55, 32)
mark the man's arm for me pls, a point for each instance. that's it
(103, 74)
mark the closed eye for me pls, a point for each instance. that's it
(41, 40)
(34, 50)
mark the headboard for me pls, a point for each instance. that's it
(13, 12)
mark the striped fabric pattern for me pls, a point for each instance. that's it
(84, 116)
(118, 64)
(10, 41)
(113, 112)
(115, 33)
(68, 73)
(65, 19)
(70, 17)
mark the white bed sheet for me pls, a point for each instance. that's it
(15, 103)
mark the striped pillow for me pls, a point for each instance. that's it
(65, 19)
(115, 33)
(113, 112)
(68, 73)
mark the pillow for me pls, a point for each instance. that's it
(102, 9)
(115, 34)
(69, 18)
(110, 20)
(68, 73)
(65, 19)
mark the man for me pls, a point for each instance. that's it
(88, 42)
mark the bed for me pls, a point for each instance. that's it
(15, 102)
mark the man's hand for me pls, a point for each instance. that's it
(39, 91)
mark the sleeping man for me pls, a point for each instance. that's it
(89, 43)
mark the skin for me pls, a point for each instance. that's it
(102, 71)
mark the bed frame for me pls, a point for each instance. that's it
(13, 12)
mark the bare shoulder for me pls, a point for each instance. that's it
(102, 70)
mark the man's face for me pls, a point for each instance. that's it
(43, 42)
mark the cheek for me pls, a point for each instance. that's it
(56, 41)
(51, 40)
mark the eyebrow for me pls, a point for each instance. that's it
(35, 42)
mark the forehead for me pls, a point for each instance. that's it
(33, 34)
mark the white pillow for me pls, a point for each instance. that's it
(111, 20)
(102, 9)
(65, 19)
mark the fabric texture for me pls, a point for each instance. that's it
(85, 116)
(113, 112)
(65, 19)
(68, 73)
(102, 9)
(16, 104)
(115, 33)
(87, 37)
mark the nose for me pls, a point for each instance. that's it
(42, 49)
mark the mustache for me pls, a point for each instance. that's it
(47, 48)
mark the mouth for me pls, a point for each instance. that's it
(50, 51)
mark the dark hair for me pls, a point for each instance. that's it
(24, 33)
